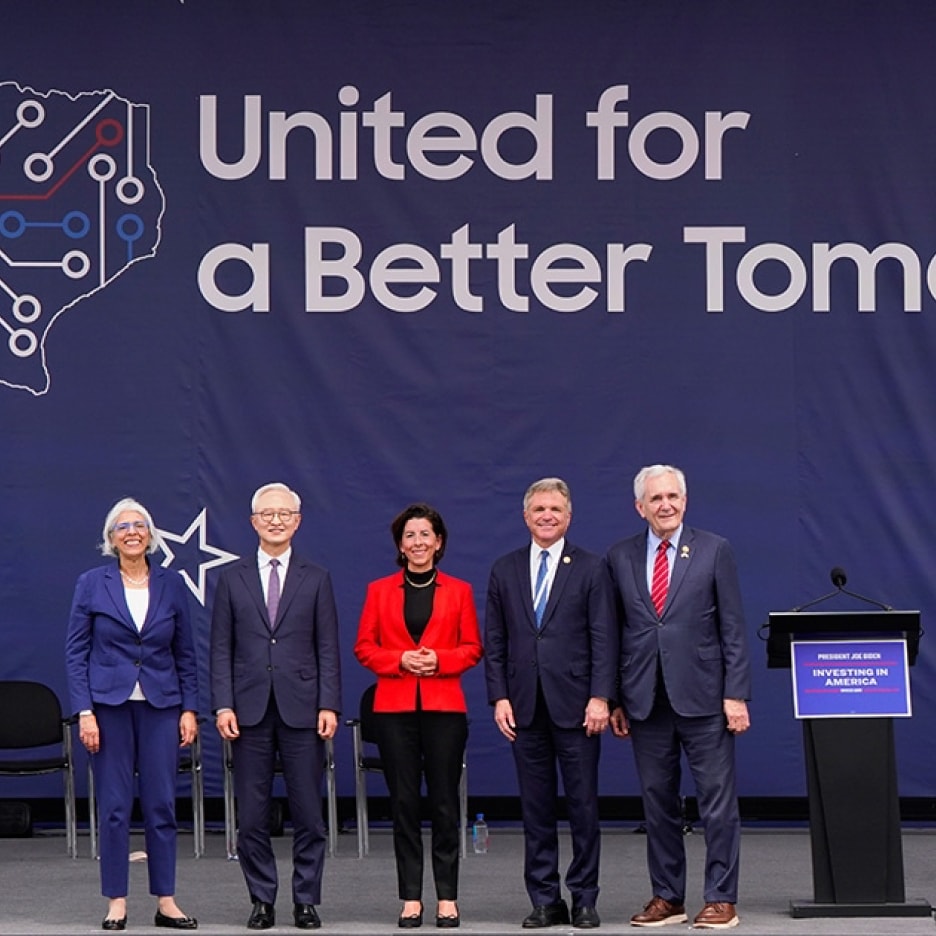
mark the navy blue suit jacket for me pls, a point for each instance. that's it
(699, 642)
(573, 656)
(105, 654)
(298, 661)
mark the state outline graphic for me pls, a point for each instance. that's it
(80, 204)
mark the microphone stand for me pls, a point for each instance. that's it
(763, 630)
(819, 600)
(839, 581)
(870, 601)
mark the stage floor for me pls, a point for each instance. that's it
(44, 892)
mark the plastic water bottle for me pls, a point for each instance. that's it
(480, 835)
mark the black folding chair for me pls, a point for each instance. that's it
(32, 720)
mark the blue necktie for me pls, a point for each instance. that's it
(539, 592)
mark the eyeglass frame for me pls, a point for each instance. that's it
(286, 514)
(125, 526)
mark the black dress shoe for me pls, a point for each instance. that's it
(306, 917)
(585, 917)
(554, 914)
(452, 921)
(413, 921)
(183, 922)
(120, 924)
(263, 916)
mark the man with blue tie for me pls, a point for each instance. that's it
(684, 681)
(550, 650)
(276, 691)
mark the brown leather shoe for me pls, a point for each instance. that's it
(716, 916)
(660, 912)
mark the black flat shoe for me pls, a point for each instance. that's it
(413, 921)
(554, 914)
(305, 917)
(448, 922)
(183, 922)
(262, 916)
(120, 924)
(585, 917)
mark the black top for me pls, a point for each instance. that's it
(418, 593)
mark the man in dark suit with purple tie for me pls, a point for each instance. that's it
(276, 690)
(550, 657)
(684, 681)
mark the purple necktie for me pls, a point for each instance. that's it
(273, 592)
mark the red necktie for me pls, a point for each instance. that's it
(660, 584)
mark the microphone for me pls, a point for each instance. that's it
(838, 576)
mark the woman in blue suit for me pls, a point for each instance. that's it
(131, 665)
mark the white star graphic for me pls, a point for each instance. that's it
(222, 557)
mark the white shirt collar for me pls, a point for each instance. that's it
(263, 559)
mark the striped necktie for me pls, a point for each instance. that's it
(539, 590)
(660, 584)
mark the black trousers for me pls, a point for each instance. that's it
(413, 745)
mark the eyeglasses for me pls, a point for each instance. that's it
(267, 515)
(138, 526)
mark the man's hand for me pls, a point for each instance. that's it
(596, 716)
(226, 723)
(327, 724)
(504, 719)
(619, 726)
(736, 712)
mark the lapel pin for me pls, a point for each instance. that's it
(566, 559)
(684, 552)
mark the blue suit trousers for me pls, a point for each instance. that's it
(709, 748)
(137, 738)
(301, 756)
(538, 749)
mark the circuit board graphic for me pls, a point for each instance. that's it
(80, 203)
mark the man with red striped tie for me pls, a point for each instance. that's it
(684, 680)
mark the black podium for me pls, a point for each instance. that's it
(854, 809)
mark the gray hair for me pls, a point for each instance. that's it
(654, 471)
(547, 485)
(274, 486)
(124, 504)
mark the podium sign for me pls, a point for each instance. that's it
(850, 679)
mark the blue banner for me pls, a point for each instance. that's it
(411, 250)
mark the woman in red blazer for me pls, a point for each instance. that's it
(418, 633)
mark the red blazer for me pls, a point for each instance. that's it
(452, 632)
